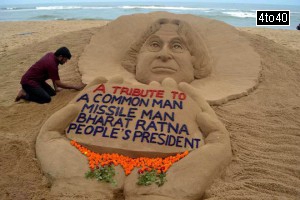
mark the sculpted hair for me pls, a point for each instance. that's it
(195, 45)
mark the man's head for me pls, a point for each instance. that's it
(169, 48)
(63, 55)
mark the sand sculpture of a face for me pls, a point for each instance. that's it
(171, 55)
(169, 48)
(164, 54)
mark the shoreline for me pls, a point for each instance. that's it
(16, 34)
(21, 33)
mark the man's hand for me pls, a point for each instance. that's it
(80, 86)
(58, 89)
(60, 84)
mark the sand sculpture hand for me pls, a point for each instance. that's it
(190, 177)
(196, 171)
(60, 160)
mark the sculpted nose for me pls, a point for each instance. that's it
(164, 54)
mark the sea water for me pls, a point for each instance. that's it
(236, 14)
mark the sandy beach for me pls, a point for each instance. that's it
(264, 126)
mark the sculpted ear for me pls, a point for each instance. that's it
(129, 66)
(202, 68)
(194, 62)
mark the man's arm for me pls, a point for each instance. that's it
(58, 83)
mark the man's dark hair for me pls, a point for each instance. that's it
(64, 52)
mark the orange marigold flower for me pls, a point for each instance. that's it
(128, 164)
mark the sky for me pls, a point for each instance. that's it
(276, 2)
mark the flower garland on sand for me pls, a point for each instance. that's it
(150, 169)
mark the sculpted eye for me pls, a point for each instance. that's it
(154, 46)
(177, 46)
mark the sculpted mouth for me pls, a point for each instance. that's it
(163, 69)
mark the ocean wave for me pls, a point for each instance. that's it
(163, 8)
(59, 18)
(69, 7)
(241, 14)
(12, 8)
(227, 9)
(45, 17)
(55, 8)
(131, 7)
(17, 8)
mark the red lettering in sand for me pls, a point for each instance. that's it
(138, 92)
(100, 88)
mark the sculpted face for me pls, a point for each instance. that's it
(165, 54)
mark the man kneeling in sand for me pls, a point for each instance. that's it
(34, 86)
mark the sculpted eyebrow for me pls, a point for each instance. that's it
(178, 39)
(153, 37)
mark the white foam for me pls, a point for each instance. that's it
(57, 7)
(241, 14)
(163, 8)
(68, 7)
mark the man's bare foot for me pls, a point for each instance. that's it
(20, 95)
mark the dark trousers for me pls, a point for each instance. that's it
(40, 94)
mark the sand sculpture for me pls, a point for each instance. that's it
(183, 53)
(235, 66)
(155, 110)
